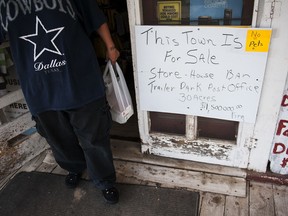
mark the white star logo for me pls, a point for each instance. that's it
(43, 39)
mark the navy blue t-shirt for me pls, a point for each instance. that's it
(51, 48)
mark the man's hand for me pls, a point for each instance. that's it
(112, 54)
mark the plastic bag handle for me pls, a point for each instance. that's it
(110, 69)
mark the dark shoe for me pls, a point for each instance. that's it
(111, 195)
(72, 180)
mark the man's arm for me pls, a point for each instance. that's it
(112, 52)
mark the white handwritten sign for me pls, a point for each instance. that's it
(213, 72)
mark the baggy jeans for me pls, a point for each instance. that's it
(80, 139)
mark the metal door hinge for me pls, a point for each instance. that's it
(272, 9)
(251, 143)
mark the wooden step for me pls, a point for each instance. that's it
(134, 167)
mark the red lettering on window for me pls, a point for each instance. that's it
(284, 102)
(284, 162)
(279, 148)
(282, 124)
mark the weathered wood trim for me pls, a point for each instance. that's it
(33, 164)
(3, 117)
(11, 97)
(191, 127)
(280, 199)
(12, 158)
(255, 13)
(274, 81)
(178, 178)
(131, 151)
(227, 153)
(215, 202)
(5, 179)
(15, 127)
(263, 199)
(267, 177)
(29, 166)
(134, 167)
(200, 147)
(237, 206)
(135, 18)
(44, 167)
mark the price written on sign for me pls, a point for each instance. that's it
(202, 71)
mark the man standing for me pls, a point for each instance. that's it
(62, 82)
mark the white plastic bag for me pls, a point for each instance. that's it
(117, 94)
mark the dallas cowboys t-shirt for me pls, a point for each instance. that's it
(51, 48)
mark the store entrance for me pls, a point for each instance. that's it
(117, 19)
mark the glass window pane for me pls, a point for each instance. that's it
(217, 129)
(168, 123)
(220, 12)
(166, 12)
(197, 12)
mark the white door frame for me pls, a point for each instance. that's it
(254, 140)
(271, 14)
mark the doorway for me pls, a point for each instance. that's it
(118, 22)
